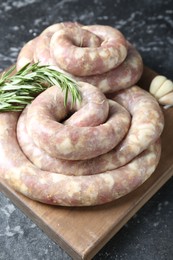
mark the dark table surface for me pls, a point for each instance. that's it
(149, 26)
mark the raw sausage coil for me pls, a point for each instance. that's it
(59, 189)
(96, 54)
(102, 47)
(96, 188)
(92, 152)
(145, 129)
(66, 141)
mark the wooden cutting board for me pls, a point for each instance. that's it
(82, 232)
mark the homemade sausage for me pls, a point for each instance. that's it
(70, 142)
(88, 50)
(96, 150)
(37, 49)
(145, 128)
(59, 189)
(96, 54)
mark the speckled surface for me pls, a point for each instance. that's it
(149, 26)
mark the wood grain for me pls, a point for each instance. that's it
(82, 232)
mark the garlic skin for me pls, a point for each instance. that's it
(162, 89)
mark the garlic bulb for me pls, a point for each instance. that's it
(162, 89)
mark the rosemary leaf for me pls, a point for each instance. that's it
(19, 89)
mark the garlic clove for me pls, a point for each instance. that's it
(156, 84)
(164, 89)
(167, 99)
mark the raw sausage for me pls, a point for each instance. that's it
(96, 54)
(70, 142)
(88, 50)
(145, 129)
(37, 49)
(59, 189)
(94, 151)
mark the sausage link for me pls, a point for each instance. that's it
(68, 142)
(59, 189)
(88, 50)
(92, 152)
(96, 54)
(69, 167)
(147, 124)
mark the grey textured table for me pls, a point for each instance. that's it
(149, 26)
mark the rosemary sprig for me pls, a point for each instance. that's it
(19, 89)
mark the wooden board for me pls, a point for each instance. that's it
(82, 232)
